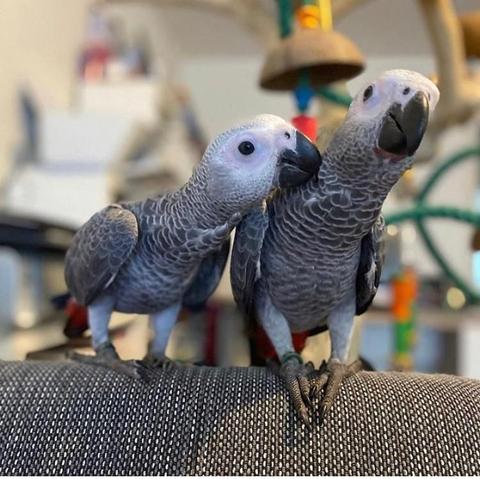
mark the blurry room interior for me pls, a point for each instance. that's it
(116, 99)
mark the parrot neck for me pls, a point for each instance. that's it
(351, 158)
(365, 173)
(194, 202)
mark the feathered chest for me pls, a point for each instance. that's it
(153, 278)
(318, 224)
(312, 259)
(311, 248)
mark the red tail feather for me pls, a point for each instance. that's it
(77, 319)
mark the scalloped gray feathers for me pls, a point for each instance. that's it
(143, 257)
(370, 266)
(246, 252)
(249, 241)
(207, 278)
(121, 245)
(98, 251)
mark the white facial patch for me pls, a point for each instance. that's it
(393, 86)
(401, 85)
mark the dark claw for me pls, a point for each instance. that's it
(156, 362)
(305, 419)
(323, 367)
(310, 367)
(294, 388)
(305, 390)
(133, 369)
(317, 384)
(322, 414)
(107, 357)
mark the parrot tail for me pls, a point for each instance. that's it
(77, 315)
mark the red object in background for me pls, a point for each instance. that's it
(94, 62)
(265, 347)
(308, 125)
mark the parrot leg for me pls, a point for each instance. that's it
(162, 324)
(292, 369)
(331, 376)
(99, 314)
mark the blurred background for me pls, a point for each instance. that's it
(111, 100)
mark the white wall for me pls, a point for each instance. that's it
(38, 44)
(224, 90)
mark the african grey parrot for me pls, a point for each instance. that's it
(149, 257)
(311, 259)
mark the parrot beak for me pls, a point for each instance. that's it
(296, 167)
(403, 130)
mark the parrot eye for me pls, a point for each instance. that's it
(406, 90)
(246, 148)
(287, 135)
(367, 93)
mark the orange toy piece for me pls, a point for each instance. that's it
(309, 16)
(404, 289)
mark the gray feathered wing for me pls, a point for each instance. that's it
(370, 266)
(98, 251)
(207, 278)
(247, 249)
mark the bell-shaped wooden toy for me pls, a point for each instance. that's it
(470, 23)
(324, 55)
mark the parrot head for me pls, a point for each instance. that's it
(385, 123)
(251, 159)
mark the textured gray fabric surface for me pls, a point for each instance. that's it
(67, 418)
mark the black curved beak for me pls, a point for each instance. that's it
(403, 130)
(296, 167)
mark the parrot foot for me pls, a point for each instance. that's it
(330, 377)
(151, 361)
(106, 356)
(295, 374)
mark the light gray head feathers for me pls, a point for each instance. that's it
(240, 164)
(382, 114)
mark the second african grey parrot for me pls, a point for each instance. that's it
(311, 258)
(149, 257)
